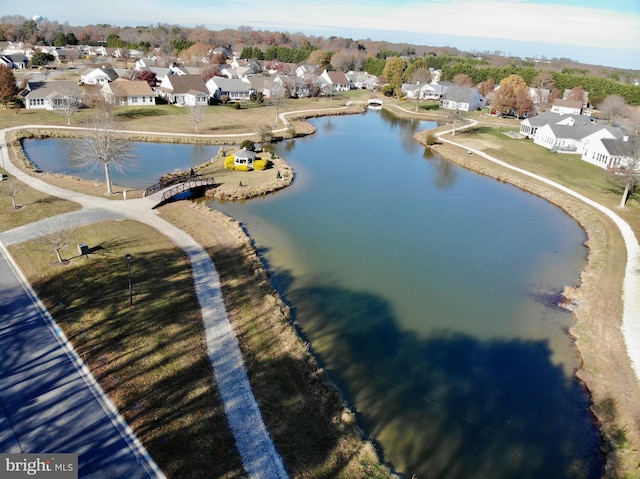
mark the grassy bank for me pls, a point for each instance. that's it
(151, 358)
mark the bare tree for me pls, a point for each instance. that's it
(197, 113)
(421, 77)
(55, 236)
(68, 101)
(11, 188)
(462, 79)
(101, 146)
(278, 94)
(614, 108)
(629, 177)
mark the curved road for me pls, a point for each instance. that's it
(259, 456)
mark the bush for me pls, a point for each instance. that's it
(242, 167)
(431, 139)
(261, 164)
(228, 162)
(248, 144)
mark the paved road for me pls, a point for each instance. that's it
(47, 403)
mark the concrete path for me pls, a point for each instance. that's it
(259, 456)
(631, 284)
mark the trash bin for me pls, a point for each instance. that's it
(83, 249)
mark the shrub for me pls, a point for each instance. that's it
(228, 162)
(248, 144)
(242, 167)
(431, 139)
(261, 164)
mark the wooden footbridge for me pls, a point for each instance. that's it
(165, 190)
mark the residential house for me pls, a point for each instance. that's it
(182, 70)
(17, 61)
(434, 90)
(336, 81)
(234, 89)
(128, 92)
(52, 95)
(264, 84)
(235, 73)
(574, 137)
(363, 80)
(461, 98)
(98, 74)
(610, 153)
(529, 126)
(567, 107)
(585, 98)
(187, 90)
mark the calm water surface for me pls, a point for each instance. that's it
(424, 289)
(154, 160)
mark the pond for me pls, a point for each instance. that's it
(429, 295)
(154, 160)
(426, 291)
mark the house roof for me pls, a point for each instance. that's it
(260, 82)
(105, 68)
(548, 117)
(186, 84)
(581, 130)
(123, 87)
(53, 88)
(568, 104)
(617, 147)
(230, 84)
(338, 78)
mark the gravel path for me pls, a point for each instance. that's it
(631, 284)
(259, 456)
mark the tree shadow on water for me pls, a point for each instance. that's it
(450, 405)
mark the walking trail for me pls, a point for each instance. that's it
(259, 456)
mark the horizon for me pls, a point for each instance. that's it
(579, 30)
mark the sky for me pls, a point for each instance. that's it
(599, 32)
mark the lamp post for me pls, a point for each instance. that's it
(2, 156)
(128, 258)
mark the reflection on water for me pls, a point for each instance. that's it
(419, 286)
(153, 160)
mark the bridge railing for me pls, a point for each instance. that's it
(187, 185)
(171, 181)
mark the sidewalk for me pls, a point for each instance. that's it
(259, 456)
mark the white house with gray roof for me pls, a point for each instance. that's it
(51, 95)
(233, 88)
(574, 136)
(609, 153)
(98, 74)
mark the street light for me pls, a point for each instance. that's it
(128, 258)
